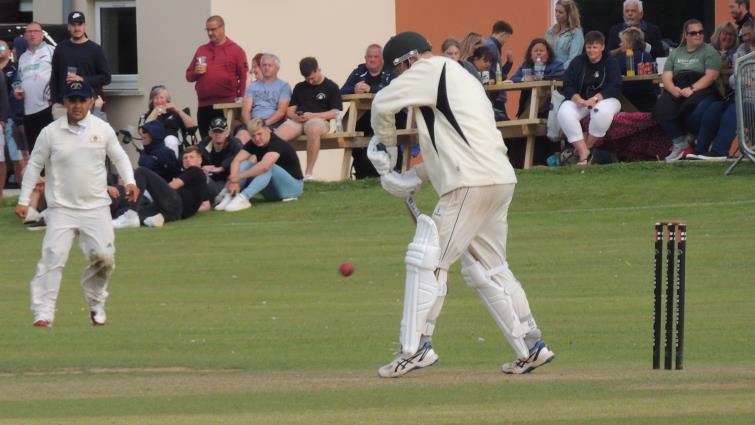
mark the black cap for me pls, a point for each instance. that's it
(76, 17)
(218, 124)
(402, 46)
(78, 89)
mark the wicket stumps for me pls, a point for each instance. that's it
(676, 243)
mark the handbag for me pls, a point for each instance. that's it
(554, 130)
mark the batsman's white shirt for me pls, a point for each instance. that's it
(73, 158)
(460, 143)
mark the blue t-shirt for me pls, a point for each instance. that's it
(265, 97)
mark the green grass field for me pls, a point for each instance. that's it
(243, 319)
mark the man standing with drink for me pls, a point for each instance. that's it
(219, 69)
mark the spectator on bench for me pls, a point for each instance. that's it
(177, 200)
(642, 94)
(633, 14)
(592, 85)
(266, 165)
(178, 124)
(452, 49)
(468, 44)
(314, 102)
(267, 98)
(538, 48)
(726, 41)
(219, 151)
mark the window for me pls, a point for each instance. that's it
(116, 33)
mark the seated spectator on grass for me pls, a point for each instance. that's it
(633, 14)
(642, 94)
(155, 155)
(468, 44)
(218, 151)
(565, 36)
(267, 98)
(726, 41)
(314, 102)
(481, 59)
(178, 124)
(177, 200)
(452, 50)
(368, 77)
(592, 85)
(689, 77)
(266, 165)
(538, 48)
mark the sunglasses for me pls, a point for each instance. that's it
(695, 33)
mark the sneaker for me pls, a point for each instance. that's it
(32, 216)
(128, 219)
(238, 203)
(693, 156)
(307, 178)
(37, 225)
(41, 323)
(712, 156)
(97, 315)
(403, 364)
(218, 199)
(156, 220)
(224, 202)
(289, 199)
(677, 152)
(540, 354)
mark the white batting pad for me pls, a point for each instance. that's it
(422, 290)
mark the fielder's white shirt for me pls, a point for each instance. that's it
(460, 143)
(34, 70)
(73, 158)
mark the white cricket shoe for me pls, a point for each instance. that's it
(156, 220)
(404, 364)
(224, 202)
(128, 219)
(540, 354)
(238, 203)
(97, 315)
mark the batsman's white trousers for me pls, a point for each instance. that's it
(601, 117)
(96, 240)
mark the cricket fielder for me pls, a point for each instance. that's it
(72, 151)
(465, 160)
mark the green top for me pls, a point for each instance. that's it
(704, 58)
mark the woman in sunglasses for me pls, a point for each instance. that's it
(688, 77)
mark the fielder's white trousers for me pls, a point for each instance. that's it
(601, 116)
(97, 241)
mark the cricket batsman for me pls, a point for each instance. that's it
(465, 160)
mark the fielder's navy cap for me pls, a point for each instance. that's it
(78, 89)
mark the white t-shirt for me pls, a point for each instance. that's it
(73, 158)
(460, 143)
(34, 70)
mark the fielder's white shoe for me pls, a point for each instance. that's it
(540, 354)
(128, 219)
(224, 202)
(404, 364)
(97, 315)
(238, 203)
(156, 220)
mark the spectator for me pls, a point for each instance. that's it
(480, 60)
(155, 155)
(219, 69)
(633, 18)
(688, 87)
(77, 59)
(178, 124)
(726, 41)
(368, 77)
(565, 36)
(266, 165)
(642, 94)
(592, 85)
(5, 116)
(500, 35)
(538, 48)
(34, 72)
(314, 102)
(256, 71)
(218, 151)
(740, 12)
(177, 200)
(267, 98)
(452, 49)
(9, 70)
(718, 126)
(468, 45)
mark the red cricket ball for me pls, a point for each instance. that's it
(346, 269)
